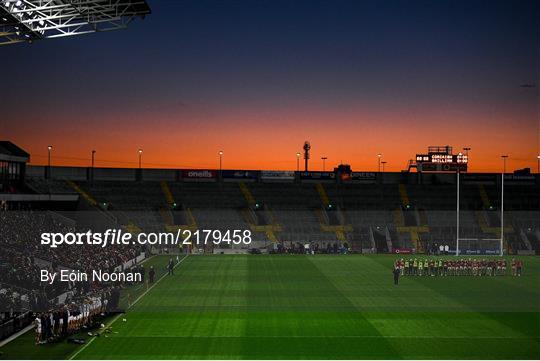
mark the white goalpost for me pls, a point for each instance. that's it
(499, 240)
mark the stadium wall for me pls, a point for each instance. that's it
(212, 175)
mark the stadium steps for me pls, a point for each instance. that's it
(481, 217)
(168, 219)
(381, 242)
(92, 202)
(84, 194)
(484, 196)
(525, 240)
(322, 193)
(414, 231)
(132, 228)
(415, 235)
(270, 229)
(247, 193)
(271, 235)
(340, 230)
(415, 238)
(167, 192)
(403, 195)
(484, 226)
(399, 220)
(534, 240)
(249, 216)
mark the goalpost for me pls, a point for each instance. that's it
(499, 240)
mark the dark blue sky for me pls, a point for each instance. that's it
(297, 67)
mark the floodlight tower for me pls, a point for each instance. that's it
(92, 169)
(307, 148)
(324, 163)
(49, 149)
(504, 158)
(220, 160)
(466, 150)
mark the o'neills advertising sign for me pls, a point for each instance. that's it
(199, 174)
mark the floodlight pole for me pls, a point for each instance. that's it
(298, 162)
(504, 157)
(220, 161)
(92, 169)
(502, 213)
(457, 215)
(379, 159)
(49, 148)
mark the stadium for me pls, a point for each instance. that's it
(277, 180)
(316, 273)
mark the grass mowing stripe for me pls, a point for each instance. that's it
(313, 348)
(472, 294)
(298, 281)
(344, 336)
(280, 307)
(120, 314)
(482, 294)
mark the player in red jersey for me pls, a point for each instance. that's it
(519, 267)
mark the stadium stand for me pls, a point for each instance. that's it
(400, 214)
(391, 212)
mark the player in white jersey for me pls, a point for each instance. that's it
(37, 324)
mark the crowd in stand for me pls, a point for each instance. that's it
(457, 267)
(23, 257)
(21, 231)
(311, 248)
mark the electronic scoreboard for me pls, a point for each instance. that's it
(441, 159)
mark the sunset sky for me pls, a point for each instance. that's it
(258, 78)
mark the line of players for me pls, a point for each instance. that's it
(457, 267)
(71, 318)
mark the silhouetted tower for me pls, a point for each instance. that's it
(307, 147)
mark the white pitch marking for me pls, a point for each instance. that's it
(120, 314)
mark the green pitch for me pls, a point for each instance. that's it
(323, 307)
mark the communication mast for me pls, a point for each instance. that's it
(307, 148)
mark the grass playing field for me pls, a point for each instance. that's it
(319, 307)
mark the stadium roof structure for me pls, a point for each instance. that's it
(29, 20)
(11, 152)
